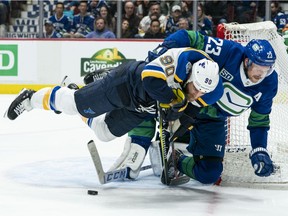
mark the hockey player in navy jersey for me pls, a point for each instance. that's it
(250, 82)
(129, 94)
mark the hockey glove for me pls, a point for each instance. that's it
(175, 109)
(261, 162)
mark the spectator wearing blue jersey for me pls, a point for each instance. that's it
(101, 31)
(61, 22)
(50, 32)
(172, 21)
(279, 18)
(83, 23)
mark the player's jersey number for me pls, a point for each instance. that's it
(214, 46)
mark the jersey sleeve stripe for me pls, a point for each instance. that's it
(150, 73)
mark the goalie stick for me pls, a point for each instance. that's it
(112, 176)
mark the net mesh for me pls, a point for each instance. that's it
(237, 165)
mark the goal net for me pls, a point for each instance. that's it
(237, 166)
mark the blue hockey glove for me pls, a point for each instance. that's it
(261, 162)
(175, 109)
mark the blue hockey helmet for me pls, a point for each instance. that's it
(260, 52)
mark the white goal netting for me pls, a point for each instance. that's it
(237, 165)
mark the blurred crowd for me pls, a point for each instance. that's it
(146, 18)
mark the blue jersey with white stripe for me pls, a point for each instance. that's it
(240, 93)
(61, 25)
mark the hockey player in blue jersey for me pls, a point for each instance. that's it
(250, 82)
(129, 94)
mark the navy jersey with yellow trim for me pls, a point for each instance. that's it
(171, 70)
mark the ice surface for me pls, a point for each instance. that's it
(45, 169)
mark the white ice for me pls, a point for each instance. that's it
(46, 170)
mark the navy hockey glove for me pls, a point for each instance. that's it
(175, 109)
(261, 162)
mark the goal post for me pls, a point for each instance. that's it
(238, 170)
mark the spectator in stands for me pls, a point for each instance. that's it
(183, 23)
(216, 10)
(130, 15)
(172, 21)
(4, 17)
(74, 7)
(187, 9)
(83, 23)
(145, 22)
(278, 16)
(142, 8)
(154, 30)
(110, 21)
(125, 31)
(50, 31)
(94, 7)
(205, 24)
(101, 31)
(61, 22)
(166, 6)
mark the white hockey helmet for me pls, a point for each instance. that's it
(204, 75)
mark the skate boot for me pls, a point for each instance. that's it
(173, 172)
(20, 104)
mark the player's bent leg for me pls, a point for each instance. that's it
(100, 128)
(206, 171)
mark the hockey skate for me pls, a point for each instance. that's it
(173, 172)
(20, 104)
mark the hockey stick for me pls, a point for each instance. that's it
(178, 180)
(112, 176)
(164, 176)
(163, 148)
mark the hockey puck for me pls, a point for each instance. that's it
(92, 192)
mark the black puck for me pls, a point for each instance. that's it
(92, 192)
